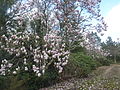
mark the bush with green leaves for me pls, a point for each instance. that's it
(104, 61)
(80, 65)
(4, 82)
(29, 81)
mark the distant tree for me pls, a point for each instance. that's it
(112, 48)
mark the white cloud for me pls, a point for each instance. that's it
(113, 22)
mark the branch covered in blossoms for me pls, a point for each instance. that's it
(27, 53)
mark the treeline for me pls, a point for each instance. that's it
(112, 48)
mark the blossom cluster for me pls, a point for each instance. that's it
(29, 51)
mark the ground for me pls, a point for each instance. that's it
(104, 78)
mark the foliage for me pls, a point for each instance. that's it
(33, 82)
(78, 48)
(104, 61)
(81, 64)
(4, 82)
(112, 48)
(29, 81)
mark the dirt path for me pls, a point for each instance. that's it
(104, 72)
(110, 71)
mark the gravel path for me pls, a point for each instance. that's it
(70, 84)
(75, 83)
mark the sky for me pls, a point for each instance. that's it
(110, 9)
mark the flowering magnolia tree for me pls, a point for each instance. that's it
(27, 53)
(78, 18)
(72, 18)
(30, 44)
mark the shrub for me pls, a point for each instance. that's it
(104, 61)
(29, 81)
(4, 82)
(81, 65)
(49, 78)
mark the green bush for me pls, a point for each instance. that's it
(28, 80)
(81, 65)
(104, 61)
(4, 82)
(78, 49)
(49, 78)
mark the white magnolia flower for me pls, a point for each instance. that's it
(26, 68)
(18, 54)
(43, 71)
(41, 56)
(25, 59)
(39, 74)
(17, 68)
(37, 37)
(54, 56)
(51, 50)
(46, 57)
(25, 62)
(60, 69)
(14, 72)
(10, 65)
(3, 36)
(31, 47)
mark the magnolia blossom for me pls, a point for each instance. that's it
(26, 68)
(25, 49)
(14, 72)
(39, 74)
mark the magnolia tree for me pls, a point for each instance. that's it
(30, 44)
(78, 18)
(27, 54)
(72, 18)
(92, 43)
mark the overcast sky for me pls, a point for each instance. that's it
(110, 9)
